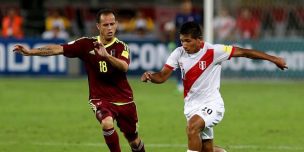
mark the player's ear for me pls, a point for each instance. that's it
(198, 42)
(201, 38)
(116, 24)
(97, 25)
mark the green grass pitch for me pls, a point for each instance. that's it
(52, 115)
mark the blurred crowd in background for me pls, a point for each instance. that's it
(280, 20)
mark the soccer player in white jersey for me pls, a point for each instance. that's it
(200, 64)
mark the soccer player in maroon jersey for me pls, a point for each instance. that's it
(106, 62)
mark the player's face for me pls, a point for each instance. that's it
(107, 26)
(191, 45)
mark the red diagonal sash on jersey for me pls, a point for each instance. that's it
(193, 74)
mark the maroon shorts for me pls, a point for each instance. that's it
(125, 115)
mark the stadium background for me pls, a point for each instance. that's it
(43, 99)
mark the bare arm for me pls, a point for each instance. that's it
(47, 50)
(254, 54)
(118, 63)
(158, 77)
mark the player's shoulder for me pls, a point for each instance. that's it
(208, 45)
(83, 39)
(179, 51)
(120, 43)
(213, 46)
(91, 39)
(219, 47)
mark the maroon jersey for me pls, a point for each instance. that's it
(105, 81)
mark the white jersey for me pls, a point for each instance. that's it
(200, 73)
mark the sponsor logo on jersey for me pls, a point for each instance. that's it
(92, 52)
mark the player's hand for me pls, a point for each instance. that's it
(146, 77)
(21, 49)
(280, 62)
(101, 50)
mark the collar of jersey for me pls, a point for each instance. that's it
(194, 55)
(109, 44)
(198, 52)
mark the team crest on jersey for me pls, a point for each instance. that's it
(202, 65)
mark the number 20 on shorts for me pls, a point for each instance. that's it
(207, 110)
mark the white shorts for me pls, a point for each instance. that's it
(212, 114)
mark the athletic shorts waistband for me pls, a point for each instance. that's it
(115, 103)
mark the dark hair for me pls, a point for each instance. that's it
(191, 28)
(102, 12)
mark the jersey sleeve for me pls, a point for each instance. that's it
(73, 48)
(223, 52)
(172, 61)
(124, 53)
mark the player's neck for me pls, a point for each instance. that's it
(105, 41)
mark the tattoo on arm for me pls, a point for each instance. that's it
(45, 51)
